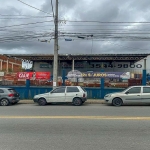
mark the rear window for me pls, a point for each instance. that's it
(83, 89)
(12, 91)
(146, 89)
(59, 90)
(72, 89)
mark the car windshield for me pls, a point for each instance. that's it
(125, 89)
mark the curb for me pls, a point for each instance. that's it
(101, 101)
(95, 102)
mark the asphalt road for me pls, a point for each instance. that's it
(66, 127)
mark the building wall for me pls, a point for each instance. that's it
(147, 63)
(42, 66)
(8, 64)
(84, 66)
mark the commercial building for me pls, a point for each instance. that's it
(10, 64)
(83, 63)
(130, 65)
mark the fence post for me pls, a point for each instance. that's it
(63, 77)
(27, 88)
(102, 86)
(144, 74)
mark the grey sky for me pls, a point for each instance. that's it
(26, 38)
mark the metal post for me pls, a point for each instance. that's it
(144, 64)
(102, 83)
(63, 77)
(7, 65)
(144, 73)
(73, 64)
(55, 65)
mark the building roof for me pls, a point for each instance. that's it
(105, 57)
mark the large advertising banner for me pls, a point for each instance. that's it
(77, 74)
(123, 75)
(34, 75)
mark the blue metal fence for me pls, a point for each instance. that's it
(93, 93)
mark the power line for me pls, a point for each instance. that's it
(20, 27)
(104, 25)
(25, 37)
(106, 22)
(27, 18)
(110, 30)
(23, 15)
(25, 24)
(90, 33)
(33, 7)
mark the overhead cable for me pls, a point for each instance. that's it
(33, 7)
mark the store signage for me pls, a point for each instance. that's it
(45, 66)
(74, 74)
(103, 65)
(78, 74)
(76, 65)
(116, 66)
(123, 75)
(33, 75)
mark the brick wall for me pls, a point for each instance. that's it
(17, 64)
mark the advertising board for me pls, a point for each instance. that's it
(34, 75)
(77, 74)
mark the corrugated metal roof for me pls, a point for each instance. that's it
(34, 57)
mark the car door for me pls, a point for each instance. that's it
(146, 95)
(57, 95)
(71, 92)
(133, 95)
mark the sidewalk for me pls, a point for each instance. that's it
(89, 101)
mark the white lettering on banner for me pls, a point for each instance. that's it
(23, 75)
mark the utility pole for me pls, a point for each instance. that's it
(55, 62)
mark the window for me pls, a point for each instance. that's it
(72, 89)
(146, 89)
(134, 90)
(83, 89)
(1, 91)
(12, 91)
(59, 90)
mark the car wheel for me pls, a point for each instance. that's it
(117, 102)
(4, 102)
(42, 102)
(77, 101)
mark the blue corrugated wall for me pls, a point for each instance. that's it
(93, 93)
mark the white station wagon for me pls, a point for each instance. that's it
(75, 94)
(133, 94)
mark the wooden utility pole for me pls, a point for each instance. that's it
(55, 62)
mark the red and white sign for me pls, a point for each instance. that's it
(34, 75)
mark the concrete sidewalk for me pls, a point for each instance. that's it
(89, 101)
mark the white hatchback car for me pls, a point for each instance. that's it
(75, 94)
(133, 94)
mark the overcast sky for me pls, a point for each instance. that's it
(105, 26)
